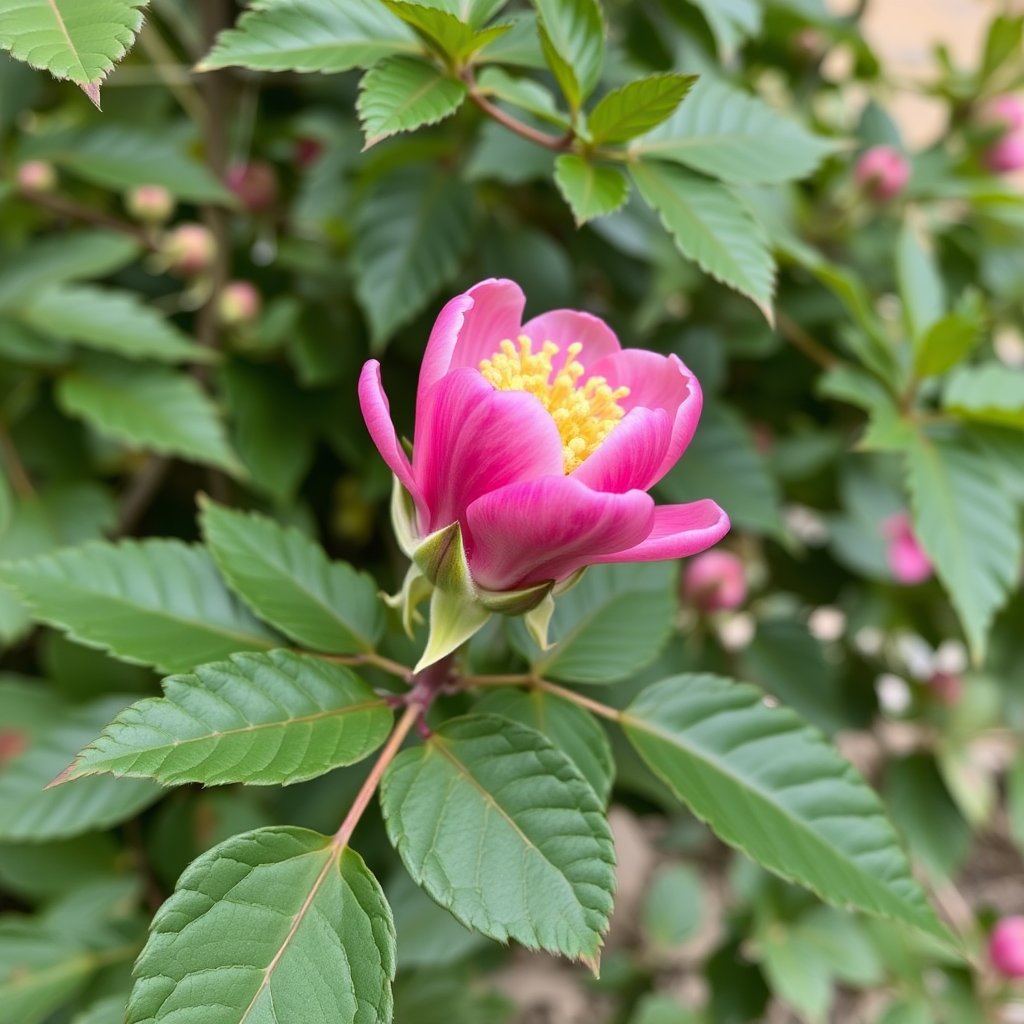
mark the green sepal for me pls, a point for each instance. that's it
(403, 517)
(441, 557)
(415, 589)
(515, 602)
(538, 619)
(454, 618)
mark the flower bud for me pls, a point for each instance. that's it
(1006, 947)
(307, 151)
(1006, 155)
(150, 204)
(190, 249)
(907, 561)
(255, 184)
(239, 303)
(882, 172)
(715, 581)
(1003, 112)
(36, 176)
(946, 687)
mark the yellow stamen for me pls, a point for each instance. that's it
(584, 415)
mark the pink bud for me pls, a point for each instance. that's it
(1006, 155)
(239, 303)
(36, 176)
(908, 562)
(307, 151)
(255, 184)
(1006, 947)
(715, 581)
(1006, 112)
(883, 172)
(947, 688)
(190, 249)
(151, 204)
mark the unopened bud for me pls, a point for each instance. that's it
(946, 687)
(1003, 112)
(150, 204)
(36, 176)
(883, 172)
(239, 303)
(907, 560)
(715, 581)
(1006, 155)
(1006, 947)
(255, 184)
(307, 151)
(190, 249)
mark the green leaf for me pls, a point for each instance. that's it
(43, 871)
(276, 926)
(920, 282)
(43, 734)
(574, 731)
(969, 528)
(455, 40)
(989, 393)
(119, 156)
(154, 602)
(608, 626)
(502, 829)
(76, 39)
(65, 257)
(723, 463)
(572, 38)
(638, 106)
(151, 408)
(401, 94)
(311, 35)
(711, 227)
(771, 786)
(731, 135)
(286, 579)
(673, 906)
(411, 234)
(521, 92)
(591, 190)
(948, 341)
(112, 321)
(660, 1009)
(260, 719)
(731, 21)
(109, 1010)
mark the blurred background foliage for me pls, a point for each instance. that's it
(189, 283)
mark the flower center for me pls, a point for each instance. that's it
(584, 415)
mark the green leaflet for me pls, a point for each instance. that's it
(591, 190)
(261, 719)
(311, 35)
(288, 580)
(771, 786)
(273, 926)
(158, 602)
(502, 829)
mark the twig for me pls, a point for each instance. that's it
(558, 143)
(536, 683)
(800, 339)
(166, 66)
(64, 207)
(395, 668)
(20, 480)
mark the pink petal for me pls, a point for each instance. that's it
(546, 529)
(656, 382)
(678, 531)
(377, 414)
(473, 439)
(632, 454)
(469, 329)
(565, 326)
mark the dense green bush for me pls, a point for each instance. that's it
(194, 522)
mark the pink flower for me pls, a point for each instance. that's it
(909, 564)
(1004, 112)
(1006, 947)
(715, 581)
(883, 172)
(1006, 155)
(540, 440)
